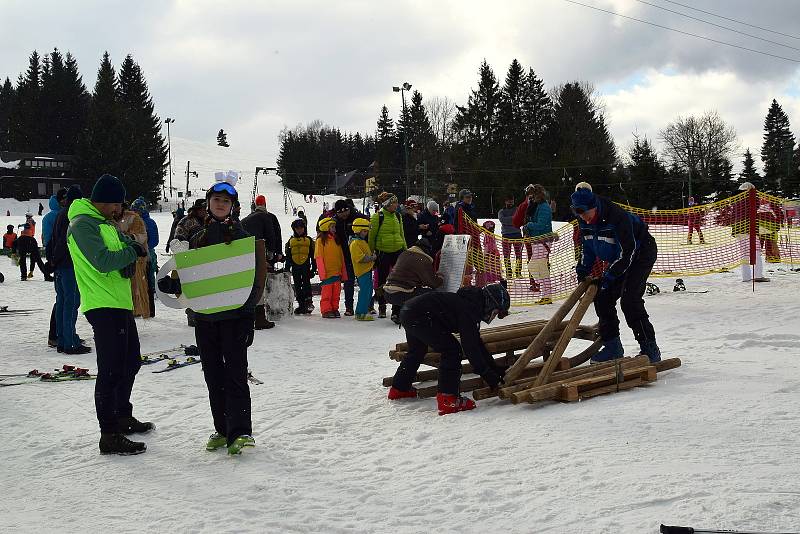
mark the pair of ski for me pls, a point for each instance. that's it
(150, 358)
(67, 373)
(4, 311)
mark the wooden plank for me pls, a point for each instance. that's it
(572, 396)
(566, 335)
(527, 392)
(536, 346)
(433, 374)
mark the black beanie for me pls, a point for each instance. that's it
(74, 193)
(108, 189)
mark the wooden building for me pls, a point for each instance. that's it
(27, 175)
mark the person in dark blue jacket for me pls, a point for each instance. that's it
(621, 240)
(48, 221)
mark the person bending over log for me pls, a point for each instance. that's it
(611, 234)
(412, 276)
(430, 321)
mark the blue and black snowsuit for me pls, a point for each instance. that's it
(623, 240)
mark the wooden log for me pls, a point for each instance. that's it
(566, 335)
(586, 355)
(530, 328)
(572, 391)
(433, 374)
(528, 374)
(536, 346)
(666, 365)
(613, 388)
(522, 391)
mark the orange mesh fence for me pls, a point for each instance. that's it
(693, 241)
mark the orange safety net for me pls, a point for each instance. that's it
(693, 241)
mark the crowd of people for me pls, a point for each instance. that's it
(102, 252)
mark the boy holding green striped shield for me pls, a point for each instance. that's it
(223, 332)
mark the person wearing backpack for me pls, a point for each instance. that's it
(387, 240)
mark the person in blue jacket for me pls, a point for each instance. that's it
(539, 229)
(140, 206)
(622, 240)
(56, 204)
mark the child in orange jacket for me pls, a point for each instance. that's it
(330, 266)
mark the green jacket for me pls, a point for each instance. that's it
(98, 253)
(386, 235)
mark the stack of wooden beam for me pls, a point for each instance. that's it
(557, 377)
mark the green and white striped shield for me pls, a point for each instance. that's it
(214, 278)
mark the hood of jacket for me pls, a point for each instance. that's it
(84, 206)
(54, 205)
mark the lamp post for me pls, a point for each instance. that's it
(402, 89)
(169, 121)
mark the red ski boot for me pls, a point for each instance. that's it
(453, 403)
(395, 394)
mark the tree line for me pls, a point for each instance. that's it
(114, 129)
(506, 136)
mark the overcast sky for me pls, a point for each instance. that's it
(253, 67)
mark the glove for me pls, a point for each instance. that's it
(582, 274)
(493, 378)
(139, 248)
(128, 271)
(170, 285)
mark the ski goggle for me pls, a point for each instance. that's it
(224, 187)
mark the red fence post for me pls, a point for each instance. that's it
(751, 216)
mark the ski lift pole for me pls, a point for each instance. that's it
(665, 529)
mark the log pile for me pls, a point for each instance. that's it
(556, 377)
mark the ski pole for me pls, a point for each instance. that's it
(665, 529)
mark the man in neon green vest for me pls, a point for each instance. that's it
(104, 261)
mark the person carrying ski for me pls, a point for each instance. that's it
(613, 235)
(363, 261)
(430, 320)
(223, 337)
(300, 261)
(331, 268)
(104, 260)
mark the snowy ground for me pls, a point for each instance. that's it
(712, 443)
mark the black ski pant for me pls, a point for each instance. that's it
(423, 333)
(398, 298)
(349, 284)
(223, 354)
(301, 276)
(36, 260)
(384, 265)
(116, 342)
(629, 290)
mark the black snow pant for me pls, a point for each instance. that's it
(116, 341)
(398, 298)
(223, 354)
(301, 276)
(422, 333)
(52, 334)
(36, 260)
(629, 290)
(349, 284)
(384, 265)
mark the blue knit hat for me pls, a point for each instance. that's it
(583, 199)
(108, 189)
(139, 205)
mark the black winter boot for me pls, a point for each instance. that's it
(119, 444)
(131, 425)
(262, 323)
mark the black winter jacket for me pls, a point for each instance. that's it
(264, 225)
(56, 250)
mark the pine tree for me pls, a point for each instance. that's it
(538, 113)
(103, 143)
(421, 139)
(146, 157)
(476, 123)
(723, 183)
(7, 98)
(648, 184)
(222, 138)
(387, 145)
(776, 152)
(511, 113)
(584, 147)
(25, 120)
(749, 172)
(64, 103)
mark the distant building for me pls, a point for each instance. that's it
(26, 175)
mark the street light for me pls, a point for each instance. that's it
(402, 89)
(169, 121)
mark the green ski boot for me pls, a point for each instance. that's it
(216, 441)
(240, 443)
